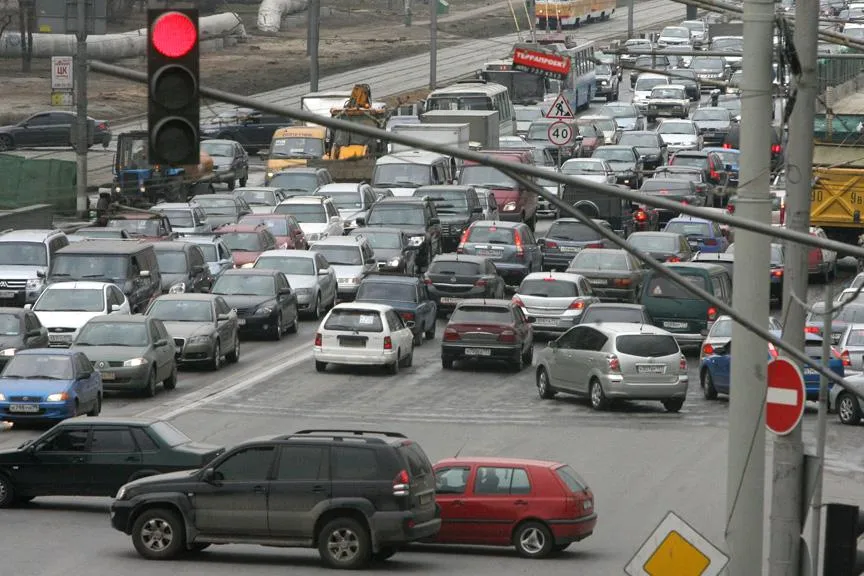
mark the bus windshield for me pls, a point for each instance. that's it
(524, 88)
(459, 102)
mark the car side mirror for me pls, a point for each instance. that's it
(371, 261)
(28, 306)
(323, 271)
(409, 324)
(434, 221)
(209, 476)
(144, 274)
(530, 320)
(160, 343)
(729, 167)
(115, 307)
(263, 154)
(553, 344)
(223, 317)
(284, 291)
(34, 333)
(361, 221)
(197, 269)
(477, 210)
(40, 273)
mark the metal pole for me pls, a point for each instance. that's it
(433, 44)
(407, 12)
(314, 29)
(821, 425)
(745, 483)
(82, 143)
(630, 19)
(787, 505)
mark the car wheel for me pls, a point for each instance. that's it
(292, 329)
(6, 144)
(244, 180)
(231, 185)
(234, 356)
(408, 361)
(673, 404)
(707, 382)
(150, 387)
(394, 367)
(519, 363)
(344, 543)
(848, 410)
(430, 334)
(318, 308)
(97, 407)
(446, 363)
(158, 534)
(7, 492)
(384, 553)
(533, 540)
(276, 331)
(320, 366)
(528, 355)
(418, 339)
(598, 397)
(544, 389)
(170, 383)
(216, 362)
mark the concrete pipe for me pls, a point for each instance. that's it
(270, 13)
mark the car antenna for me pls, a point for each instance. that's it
(460, 449)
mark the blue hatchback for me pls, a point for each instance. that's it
(408, 296)
(45, 384)
(731, 160)
(702, 235)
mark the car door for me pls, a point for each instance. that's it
(327, 281)
(334, 227)
(32, 325)
(523, 328)
(164, 354)
(88, 382)
(428, 307)
(202, 280)
(492, 510)
(225, 260)
(56, 464)
(35, 131)
(234, 501)
(227, 328)
(533, 249)
(403, 337)
(114, 459)
(287, 298)
(451, 487)
(300, 487)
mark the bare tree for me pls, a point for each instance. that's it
(8, 8)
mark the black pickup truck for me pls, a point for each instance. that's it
(251, 128)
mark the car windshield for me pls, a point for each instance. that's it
(672, 93)
(297, 147)
(242, 241)
(455, 268)
(76, 300)
(728, 44)
(179, 218)
(654, 242)
(340, 255)
(135, 227)
(677, 128)
(39, 367)
(619, 111)
(403, 175)
(777, 255)
(572, 231)
(659, 287)
(485, 176)
(397, 215)
(392, 291)
(217, 149)
(295, 182)
(88, 266)
(603, 70)
(131, 334)
(482, 314)
(217, 206)
(459, 102)
(447, 201)
(660, 187)
(689, 228)
(734, 106)
(644, 140)
(688, 160)
(244, 285)
(675, 32)
(181, 311)
(276, 225)
(729, 157)
(23, 254)
(101, 233)
(707, 64)
(258, 197)
(714, 115)
(604, 124)
(539, 131)
(652, 62)
(10, 325)
(343, 200)
(304, 213)
(171, 262)
(528, 114)
(689, 176)
(490, 235)
(848, 314)
(548, 288)
(856, 338)
(647, 345)
(599, 261)
(626, 315)
(209, 250)
(286, 265)
(384, 240)
(589, 130)
(169, 434)
(648, 84)
(349, 320)
(694, 25)
(614, 154)
(582, 167)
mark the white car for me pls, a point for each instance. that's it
(670, 100)
(317, 216)
(261, 199)
(605, 124)
(591, 169)
(644, 85)
(674, 36)
(65, 307)
(680, 135)
(364, 334)
(185, 217)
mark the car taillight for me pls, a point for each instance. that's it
(318, 339)
(517, 239)
(776, 148)
(388, 343)
(517, 301)
(673, 259)
(102, 126)
(550, 244)
(640, 216)
(507, 336)
(614, 363)
(682, 365)
(707, 349)
(427, 281)
(811, 329)
(450, 335)
(844, 356)
(773, 351)
(727, 146)
(408, 316)
(709, 242)
(712, 313)
(622, 282)
(595, 245)
(730, 208)
(401, 486)
(480, 283)
(576, 305)
(777, 273)
(713, 174)
(463, 240)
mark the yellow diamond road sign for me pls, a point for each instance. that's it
(676, 549)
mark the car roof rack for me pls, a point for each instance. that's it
(339, 433)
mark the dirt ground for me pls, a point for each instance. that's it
(354, 33)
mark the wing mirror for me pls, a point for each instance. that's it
(209, 476)
(530, 320)
(410, 324)
(553, 344)
(115, 307)
(360, 220)
(264, 154)
(28, 306)
(323, 271)
(434, 221)
(34, 333)
(223, 317)
(144, 274)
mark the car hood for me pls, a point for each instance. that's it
(648, 150)
(240, 257)
(242, 301)
(66, 319)
(12, 387)
(343, 271)
(19, 272)
(302, 281)
(11, 342)
(216, 220)
(180, 477)
(619, 167)
(222, 162)
(679, 138)
(626, 123)
(262, 209)
(313, 227)
(169, 280)
(601, 178)
(453, 218)
(188, 329)
(111, 353)
(351, 213)
(715, 124)
(384, 254)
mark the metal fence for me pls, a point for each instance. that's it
(834, 72)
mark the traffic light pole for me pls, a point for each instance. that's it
(745, 483)
(433, 44)
(630, 18)
(314, 16)
(788, 506)
(82, 138)
(821, 426)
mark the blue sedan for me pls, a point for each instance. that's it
(702, 235)
(44, 384)
(715, 367)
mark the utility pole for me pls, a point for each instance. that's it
(314, 28)
(82, 139)
(433, 43)
(821, 426)
(692, 12)
(630, 18)
(745, 482)
(787, 500)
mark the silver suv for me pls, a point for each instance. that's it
(351, 257)
(25, 256)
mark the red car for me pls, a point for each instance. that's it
(539, 507)
(289, 235)
(246, 241)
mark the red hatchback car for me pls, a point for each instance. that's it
(536, 506)
(246, 241)
(286, 229)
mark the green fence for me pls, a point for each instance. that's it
(834, 72)
(26, 181)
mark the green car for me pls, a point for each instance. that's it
(133, 353)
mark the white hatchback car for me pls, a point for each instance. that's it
(65, 307)
(364, 334)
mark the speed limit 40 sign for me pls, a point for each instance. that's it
(560, 133)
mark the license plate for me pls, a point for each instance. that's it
(835, 338)
(675, 324)
(478, 351)
(241, 321)
(546, 321)
(7, 294)
(108, 376)
(27, 408)
(598, 281)
(569, 249)
(59, 337)
(449, 300)
(489, 253)
(650, 369)
(810, 372)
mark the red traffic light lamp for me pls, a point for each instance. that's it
(174, 34)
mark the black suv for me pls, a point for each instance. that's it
(418, 217)
(457, 207)
(356, 495)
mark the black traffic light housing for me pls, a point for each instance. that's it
(843, 525)
(173, 105)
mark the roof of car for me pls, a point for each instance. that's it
(338, 187)
(655, 233)
(713, 256)
(78, 286)
(176, 246)
(13, 311)
(300, 170)
(667, 86)
(700, 153)
(174, 206)
(238, 228)
(690, 219)
(626, 328)
(491, 302)
(216, 197)
(392, 279)
(250, 272)
(696, 265)
(451, 257)
(127, 318)
(238, 191)
(289, 254)
(400, 200)
(199, 238)
(189, 296)
(362, 306)
(339, 241)
(497, 460)
(304, 200)
(218, 141)
(110, 421)
(98, 246)
(617, 305)
(567, 276)
(27, 235)
(577, 221)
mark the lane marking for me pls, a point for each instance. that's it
(782, 396)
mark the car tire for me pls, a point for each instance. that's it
(408, 361)
(320, 366)
(533, 540)
(216, 363)
(234, 356)
(170, 383)
(150, 388)
(446, 363)
(707, 382)
(384, 553)
(276, 331)
(518, 364)
(97, 407)
(393, 368)
(596, 395)
(244, 180)
(159, 534)
(418, 338)
(318, 308)
(528, 355)
(231, 185)
(848, 410)
(345, 544)
(430, 333)
(673, 404)
(7, 492)
(292, 328)
(6, 144)
(544, 388)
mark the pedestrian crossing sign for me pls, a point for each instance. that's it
(560, 109)
(676, 549)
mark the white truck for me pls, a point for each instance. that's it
(456, 135)
(484, 125)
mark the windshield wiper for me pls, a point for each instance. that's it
(60, 274)
(41, 377)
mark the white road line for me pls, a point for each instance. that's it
(782, 396)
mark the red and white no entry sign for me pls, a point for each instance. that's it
(784, 404)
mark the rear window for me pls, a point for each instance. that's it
(663, 187)
(387, 291)
(856, 338)
(572, 231)
(689, 228)
(417, 461)
(354, 320)
(491, 234)
(571, 478)
(629, 316)
(695, 161)
(599, 261)
(455, 268)
(647, 345)
(548, 288)
(491, 314)
(659, 287)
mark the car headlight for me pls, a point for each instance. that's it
(121, 494)
(2, 397)
(510, 206)
(417, 240)
(604, 83)
(58, 397)
(34, 283)
(135, 362)
(394, 262)
(269, 175)
(178, 288)
(313, 237)
(264, 311)
(203, 339)
(8, 352)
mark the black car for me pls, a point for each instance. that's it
(710, 68)
(49, 130)
(733, 141)
(662, 246)
(670, 189)
(650, 145)
(452, 278)
(222, 209)
(251, 128)
(710, 163)
(95, 456)
(183, 267)
(19, 330)
(408, 296)
(713, 124)
(688, 174)
(626, 161)
(649, 62)
(393, 250)
(355, 495)
(618, 212)
(416, 216)
(690, 80)
(618, 312)
(264, 300)
(566, 238)
(230, 162)
(457, 208)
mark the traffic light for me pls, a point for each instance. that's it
(843, 525)
(172, 82)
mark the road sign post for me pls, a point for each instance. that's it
(675, 548)
(784, 403)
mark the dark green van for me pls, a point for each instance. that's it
(674, 309)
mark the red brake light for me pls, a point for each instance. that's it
(507, 336)
(811, 329)
(463, 240)
(318, 339)
(388, 343)
(776, 148)
(710, 242)
(548, 279)
(576, 305)
(517, 301)
(773, 351)
(714, 174)
(517, 239)
(845, 357)
(707, 349)
(778, 273)
(595, 245)
(727, 146)
(427, 281)
(174, 34)
(730, 208)
(550, 244)
(622, 282)
(640, 216)
(712, 313)
(480, 283)
(614, 363)
(450, 335)
(401, 484)
(102, 126)
(673, 259)
(682, 365)
(408, 316)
